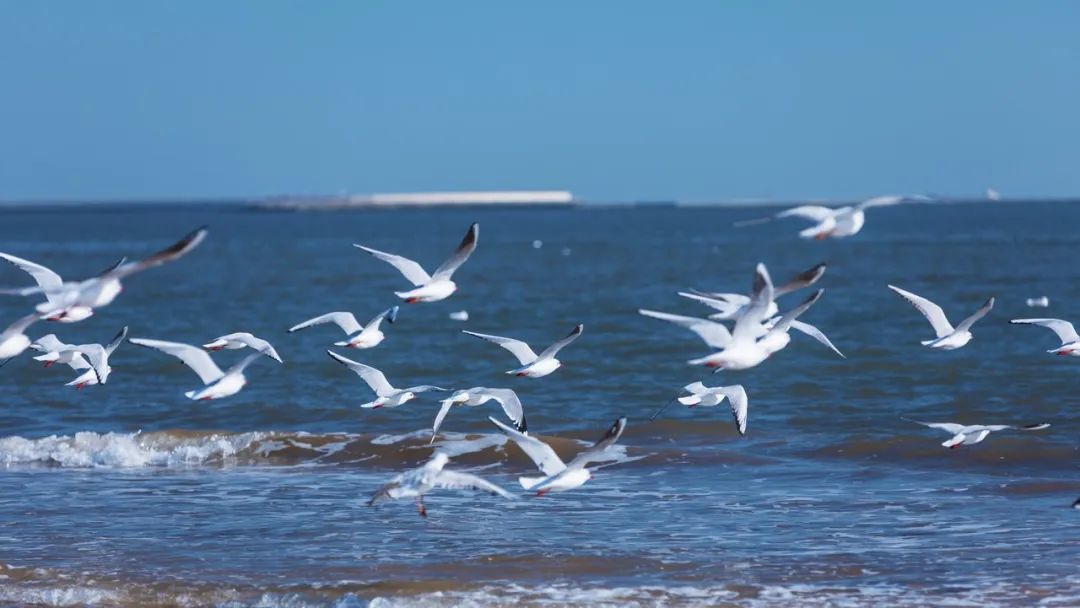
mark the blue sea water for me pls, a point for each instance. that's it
(130, 494)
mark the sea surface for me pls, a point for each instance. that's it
(131, 495)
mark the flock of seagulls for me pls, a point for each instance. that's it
(758, 330)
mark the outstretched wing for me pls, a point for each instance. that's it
(554, 349)
(978, 314)
(931, 311)
(246, 361)
(390, 315)
(412, 271)
(816, 334)
(541, 453)
(462, 253)
(196, 358)
(95, 354)
(596, 451)
(345, 320)
(740, 404)
(748, 327)
(117, 340)
(444, 409)
(817, 213)
(374, 378)
(788, 317)
(805, 278)
(948, 427)
(714, 334)
(47, 280)
(172, 252)
(48, 344)
(453, 480)
(1064, 330)
(255, 342)
(519, 349)
(510, 403)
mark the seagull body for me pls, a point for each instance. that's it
(532, 365)
(557, 475)
(948, 337)
(973, 433)
(436, 286)
(387, 395)
(13, 340)
(218, 384)
(705, 396)
(480, 395)
(360, 336)
(419, 481)
(74, 301)
(834, 222)
(1070, 341)
(240, 340)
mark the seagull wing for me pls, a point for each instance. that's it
(390, 314)
(444, 409)
(740, 404)
(170, 253)
(345, 320)
(48, 344)
(453, 480)
(374, 378)
(510, 403)
(117, 340)
(748, 327)
(47, 280)
(519, 349)
(978, 314)
(805, 278)
(816, 213)
(789, 317)
(885, 201)
(714, 334)
(95, 354)
(462, 253)
(816, 334)
(412, 271)
(196, 358)
(1063, 329)
(552, 350)
(255, 342)
(541, 453)
(931, 311)
(596, 450)
(948, 427)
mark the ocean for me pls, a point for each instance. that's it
(129, 494)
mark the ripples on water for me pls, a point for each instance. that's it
(132, 495)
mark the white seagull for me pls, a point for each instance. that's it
(480, 395)
(948, 337)
(532, 365)
(94, 356)
(436, 286)
(242, 339)
(557, 475)
(13, 340)
(387, 395)
(834, 222)
(973, 433)
(1070, 341)
(731, 306)
(706, 396)
(219, 384)
(360, 336)
(76, 300)
(421, 480)
(54, 351)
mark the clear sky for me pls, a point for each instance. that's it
(613, 100)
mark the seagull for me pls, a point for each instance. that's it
(388, 396)
(54, 351)
(973, 433)
(98, 358)
(361, 336)
(1070, 341)
(532, 365)
(480, 395)
(731, 306)
(705, 396)
(219, 384)
(557, 475)
(240, 340)
(948, 338)
(835, 222)
(421, 480)
(75, 301)
(13, 340)
(434, 287)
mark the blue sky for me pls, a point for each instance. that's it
(613, 100)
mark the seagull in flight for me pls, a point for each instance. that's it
(834, 222)
(436, 286)
(76, 300)
(13, 340)
(240, 340)
(557, 475)
(480, 395)
(218, 384)
(84, 356)
(532, 365)
(360, 336)
(1070, 341)
(948, 337)
(387, 395)
(419, 481)
(701, 395)
(973, 433)
(731, 306)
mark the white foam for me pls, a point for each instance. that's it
(88, 449)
